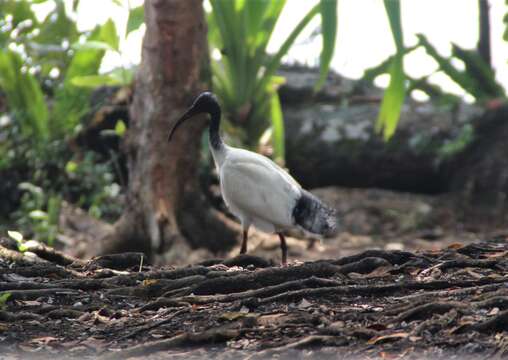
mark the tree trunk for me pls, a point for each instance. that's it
(166, 213)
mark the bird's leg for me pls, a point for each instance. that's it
(243, 250)
(284, 249)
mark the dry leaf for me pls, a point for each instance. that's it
(304, 304)
(496, 254)
(149, 282)
(388, 356)
(494, 311)
(272, 319)
(455, 246)
(30, 302)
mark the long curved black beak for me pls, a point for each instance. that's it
(188, 114)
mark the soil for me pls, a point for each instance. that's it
(390, 304)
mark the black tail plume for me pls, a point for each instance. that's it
(314, 216)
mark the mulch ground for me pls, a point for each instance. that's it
(451, 303)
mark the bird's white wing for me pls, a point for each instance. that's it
(258, 191)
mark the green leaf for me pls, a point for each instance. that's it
(122, 76)
(24, 96)
(481, 73)
(22, 248)
(56, 27)
(136, 19)
(120, 128)
(71, 167)
(393, 99)
(19, 10)
(505, 21)
(394, 95)
(392, 8)
(455, 146)
(277, 120)
(371, 74)
(117, 77)
(274, 63)
(75, 4)
(71, 102)
(328, 11)
(4, 297)
(93, 45)
(109, 34)
(15, 235)
(94, 81)
(477, 79)
(38, 215)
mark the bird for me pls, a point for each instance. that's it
(255, 189)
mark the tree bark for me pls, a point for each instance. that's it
(166, 212)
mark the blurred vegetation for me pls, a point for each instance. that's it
(244, 76)
(395, 92)
(49, 70)
(46, 67)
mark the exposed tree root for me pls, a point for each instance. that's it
(205, 337)
(397, 299)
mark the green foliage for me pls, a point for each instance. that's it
(277, 127)
(41, 64)
(4, 297)
(393, 100)
(72, 101)
(38, 213)
(505, 21)
(477, 78)
(135, 20)
(455, 146)
(328, 11)
(481, 74)
(39, 49)
(91, 185)
(24, 96)
(108, 40)
(245, 77)
(394, 95)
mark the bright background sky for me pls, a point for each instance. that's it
(363, 38)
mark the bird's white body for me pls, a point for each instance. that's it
(256, 190)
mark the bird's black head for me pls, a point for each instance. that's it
(206, 102)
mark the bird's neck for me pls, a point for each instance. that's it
(214, 134)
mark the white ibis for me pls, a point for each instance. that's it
(256, 190)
